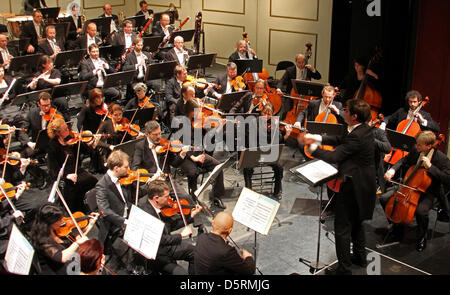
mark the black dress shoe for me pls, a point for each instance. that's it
(421, 244)
(278, 196)
(336, 271)
(218, 203)
(358, 261)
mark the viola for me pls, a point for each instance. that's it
(85, 136)
(10, 190)
(67, 224)
(409, 127)
(13, 158)
(173, 208)
(238, 83)
(51, 115)
(6, 129)
(141, 175)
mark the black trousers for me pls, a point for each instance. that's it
(348, 228)
(278, 176)
(74, 192)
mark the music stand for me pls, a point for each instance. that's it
(151, 43)
(399, 140)
(186, 34)
(42, 140)
(201, 61)
(20, 44)
(25, 64)
(307, 88)
(118, 79)
(28, 96)
(229, 99)
(249, 66)
(128, 147)
(111, 52)
(163, 70)
(103, 24)
(70, 58)
(325, 128)
(62, 30)
(69, 89)
(137, 20)
(319, 180)
(142, 115)
(50, 12)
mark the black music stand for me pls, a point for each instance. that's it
(26, 64)
(307, 88)
(186, 34)
(69, 59)
(66, 90)
(201, 61)
(229, 99)
(103, 24)
(399, 140)
(142, 115)
(20, 45)
(325, 128)
(28, 97)
(317, 265)
(249, 66)
(137, 20)
(42, 140)
(111, 52)
(128, 147)
(151, 43)
(62, 30)
(118, 79)
(163, 70)
(50, 13)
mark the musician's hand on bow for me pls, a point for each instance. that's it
(288, 130)
(389, 174)
(186, 232)
(370, 72)
(196, 210)
(252, 51)
(333, 108)
(18, 214)
(279, 92)
(199, 158)
(420, 118)
(31, 145)
(72, 177)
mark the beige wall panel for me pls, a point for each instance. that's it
(163, 3)
(88, 4)
(221, 39)
(284, 45)
(297, 9)
(229, 6)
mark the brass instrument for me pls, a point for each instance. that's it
(173, 8)
(121, 17)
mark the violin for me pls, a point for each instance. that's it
(238, 83)
(173, 209)
(409, 127)
(145, 103)
(199, 82)
(52, 114)
(101, 109)
(67, 224)
(13, 158)
(174, 146)
(6, 129)
(85, 136)
(10, 190)
(141, 175)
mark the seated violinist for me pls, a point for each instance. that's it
(54, 251)
(226, 83)
(242, 52)
(252, 102)
(141, 100)
(77, 181)
(437, 167)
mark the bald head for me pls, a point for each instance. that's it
(222, 223)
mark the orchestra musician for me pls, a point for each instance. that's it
(172, 92)
(31, 5)
(172, 247)
(92, 258)
(224, 81)
(50, 46)
(162, 27)
(33, 30)
(251, 103)
(55, 253)
(140, 90)
(5, 54)
(85, 40)
(125, 37)
(77, 181)
(213, 255)
(148, 13)
(242, 52)
(94, 70)
(178, 53)
(437, 167)
(413, 99)
(354, 155)
(5, 82)
(300, 71)
(76, 25)
(114, 27)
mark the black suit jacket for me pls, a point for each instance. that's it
(12, 51)
(107, 30)
(81, 42)
(172, 91)
(285, 83)
(312, 110)
(143, 158)
(235, 56)
(45, 47)
(28, 31)
(354, 156)
(170, 55)
(213, 256)
(86, 74)
(243, 105)
(157, 30)
(34, 122)
(393, 120)
(131, 61)
(119, 38)
(73, 27)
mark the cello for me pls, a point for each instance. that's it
(409, 127)
(401, 207)
(367, 92)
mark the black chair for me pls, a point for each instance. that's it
(283, 65)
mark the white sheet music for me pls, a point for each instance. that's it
(255, 211)
(19, 253)
(315, 171)
(143, 232)
(206, 182)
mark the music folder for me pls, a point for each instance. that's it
(111, 52)
(50, 12)
(262, 155)
(324, 128)
(229, 99)
(137, 20)
(128, 147)
(315, 172)
(151, 43)
(399, 140)
(70, 58)
(62, 30)
(142, 115)
(69, 89)
(186, 34)
(120, 78)
(25, 63)
(20, 44)
(201, 61)
(163, 70)
(249, 66)
(103, 24)
(308, 88)
(28, 96)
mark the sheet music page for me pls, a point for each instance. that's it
(206, 182)
(255, 211)
(317, 170)
(143, 232)
(19, 253)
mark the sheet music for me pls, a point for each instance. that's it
(143, 232)
(19, 254)
(315, 171)
(205, 183)
(255, 211)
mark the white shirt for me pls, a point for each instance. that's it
(411, 116)
(141, 69)
(5, 54)
(151, 147)
(52, 44)
(113, 24)
(242, 56)
(300, 73)
(351, 128)
(98, 64)
(116, 182)
(180, 55)
(90, 40)
(229, 89)
(128, 41)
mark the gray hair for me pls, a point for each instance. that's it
(139, 86)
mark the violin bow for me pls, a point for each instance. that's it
(11, 204)
(137, 187)
(178, 202)
(78, 153)
(6, 156)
